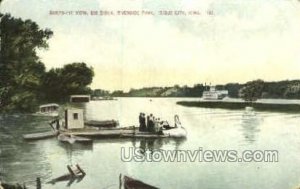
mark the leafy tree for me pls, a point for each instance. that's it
(252, 90)
(233, 89)
(100, 92)
(21, 71)
(73, 78)
(118, 93)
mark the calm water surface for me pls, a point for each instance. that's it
(211, 129)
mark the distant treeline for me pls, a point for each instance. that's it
(24, 80)
(175, 91)
(280, 89)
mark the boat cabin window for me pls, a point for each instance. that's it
(75, 116)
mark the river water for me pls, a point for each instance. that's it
(209, 129)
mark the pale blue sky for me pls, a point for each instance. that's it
(244, 40)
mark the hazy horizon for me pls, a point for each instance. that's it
(242, 41)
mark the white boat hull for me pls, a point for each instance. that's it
(179, 132)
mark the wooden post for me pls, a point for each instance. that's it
(70, 170)
(81, 170)
(38, 183)
(120, 181)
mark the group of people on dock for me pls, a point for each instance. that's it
(149, 123)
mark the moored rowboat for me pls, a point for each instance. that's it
(131, 183)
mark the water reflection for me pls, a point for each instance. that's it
(157, 144)
(250, 126)
(22, 161)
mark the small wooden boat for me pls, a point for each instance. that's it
(104, 123)
(72, 139)
(131, 183)
(37, 136)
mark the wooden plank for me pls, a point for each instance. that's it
(99, 133)
(36, 136)
(144, 136)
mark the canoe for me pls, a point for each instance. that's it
(72, 139)
(37, 136)
(131, 183)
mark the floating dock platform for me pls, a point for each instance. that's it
(99, 133)
(37, 136)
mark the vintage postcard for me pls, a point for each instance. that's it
(144, 94)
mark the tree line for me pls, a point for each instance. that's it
(24, 80)
(249, 91)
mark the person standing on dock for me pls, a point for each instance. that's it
(151, 123)
(140, 121)
(57, 124)
(144, 127)
(148, 123)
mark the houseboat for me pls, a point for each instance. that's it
(48, 110)
(214, 94)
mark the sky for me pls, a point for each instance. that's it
(243, 40)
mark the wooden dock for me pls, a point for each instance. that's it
(101, 133)
(144, 135)
(37, 136)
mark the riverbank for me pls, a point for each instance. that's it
(236, 105)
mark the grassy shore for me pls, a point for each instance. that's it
(242, 105)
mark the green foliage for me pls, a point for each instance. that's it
(73, 78)
(233, 89)
(21, 72)
(118, 93)
(99, 93)
(175, 91)
(24, 83)
(252, 90)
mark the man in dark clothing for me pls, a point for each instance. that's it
(140, 121)
(148, 123)
(151, 123)
(143, 122)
